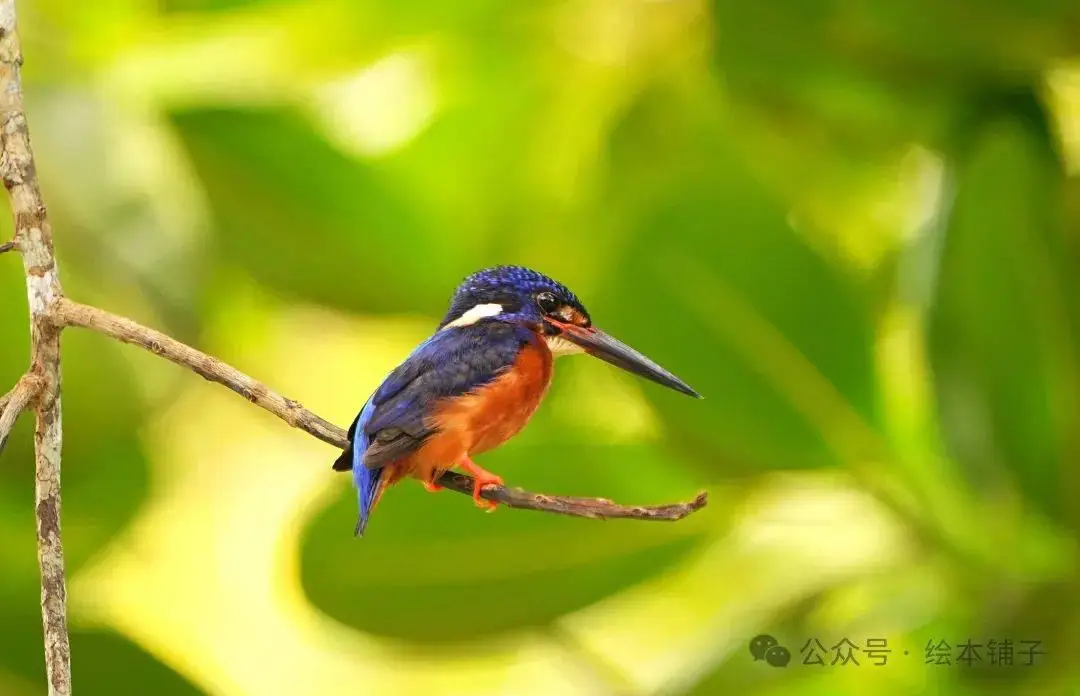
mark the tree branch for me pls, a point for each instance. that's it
(69, 313)
(15, 402)
(33, 237)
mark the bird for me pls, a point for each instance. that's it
(475, 383)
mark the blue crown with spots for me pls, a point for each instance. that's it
(512, 287)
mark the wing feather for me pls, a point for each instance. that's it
(453, 362)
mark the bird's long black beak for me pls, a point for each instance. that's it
(609, 349)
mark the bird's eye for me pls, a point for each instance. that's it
(547, 302)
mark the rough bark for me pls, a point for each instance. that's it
(33, 239)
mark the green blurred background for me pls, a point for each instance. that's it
(853, 226)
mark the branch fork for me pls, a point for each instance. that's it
(20, 398)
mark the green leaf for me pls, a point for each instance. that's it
(97, 657)
(826, 89)
(877, 67)
(310, 222)
(212, 5)
(715, 284)
(1005, 332)
(433, 568)
(101, 654)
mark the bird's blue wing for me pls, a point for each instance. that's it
(417, 363)
(394, 422)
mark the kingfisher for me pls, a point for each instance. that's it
(476, 382)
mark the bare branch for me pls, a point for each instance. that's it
(15, 402)
(595, 508)
(69, 313)
(33, 236)
(7, 246)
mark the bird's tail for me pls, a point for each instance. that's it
(369, 485)
(369, 482)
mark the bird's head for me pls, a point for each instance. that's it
(523, 296)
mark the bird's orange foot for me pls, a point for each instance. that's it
(432, 487)
(478, 487)
(482, 479)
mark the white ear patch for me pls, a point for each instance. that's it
(480, 311)
(560, 346)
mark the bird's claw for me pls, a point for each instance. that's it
(480, 484)
(482, 478)
(432, 487)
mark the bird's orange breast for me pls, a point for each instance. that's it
(484, 419)
(499, 410)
